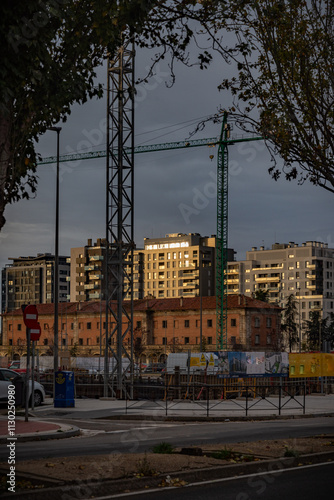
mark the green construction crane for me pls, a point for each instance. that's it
(138, 149)
(222, 206)
(222, 230)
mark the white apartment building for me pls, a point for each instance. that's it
(307, 271)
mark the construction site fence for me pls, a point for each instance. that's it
(151, 388)
(241, 396)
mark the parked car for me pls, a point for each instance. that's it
(14, 365)
(8, 377)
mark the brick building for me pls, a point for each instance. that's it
(163, 325)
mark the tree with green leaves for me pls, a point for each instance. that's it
(284, 86)
(319, 330)
(282, 52)
(261, 294)
(289, 325)
(50, 50)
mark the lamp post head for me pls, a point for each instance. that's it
(55, 129)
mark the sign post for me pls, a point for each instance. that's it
(33, 332)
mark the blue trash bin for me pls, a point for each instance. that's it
(64, 390)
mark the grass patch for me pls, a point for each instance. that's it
(163, 447)
(144, 468)
(225, 454)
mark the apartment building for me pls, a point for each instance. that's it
(306, 271)
(30, 280)
(179, 265)
(88, 271)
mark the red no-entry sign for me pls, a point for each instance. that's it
(30, 317)
(35, 332)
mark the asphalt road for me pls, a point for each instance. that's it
(106, 436)
(300, 483)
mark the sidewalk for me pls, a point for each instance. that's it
(36, 428)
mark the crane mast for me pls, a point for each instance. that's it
(120, 217)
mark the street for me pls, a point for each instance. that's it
(110, 436)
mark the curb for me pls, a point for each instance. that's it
(89, 489)
(57, 434)
(193, 418)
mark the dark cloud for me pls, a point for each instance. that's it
(175, 191)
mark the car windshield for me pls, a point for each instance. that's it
(9, 375)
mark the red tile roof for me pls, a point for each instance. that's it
(172, 304)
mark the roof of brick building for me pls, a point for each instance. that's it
(171, 304)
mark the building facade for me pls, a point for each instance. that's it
(306, 271)
(162, 325)
(88, 271)
(178, 265)
(30, 280)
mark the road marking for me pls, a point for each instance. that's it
(97, 431)
(201, 483)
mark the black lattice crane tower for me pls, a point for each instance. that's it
(120, 217)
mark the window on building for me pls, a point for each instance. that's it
(164, 341)
(186, 340)
(72, 326)
(268, 339)
(80, 341)
(257, 339)
(97, 340)
(233, 322)
(19, 327)
(268, 322)
(80, 326)
(138, 324)
(186, 323)
(63, 342)
(198, 323)
(88, 341)
(257, 322)
(209, 340)
(209, 323)
(45, 341)
(164, 323)
(89, 325)
(10, 341)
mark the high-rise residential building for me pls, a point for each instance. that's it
(30, 280)
(88, 271)
(179, 265)
(306, 271)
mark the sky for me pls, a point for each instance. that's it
(175, 190)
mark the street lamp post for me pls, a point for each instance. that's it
(300, 331)
(56, 269)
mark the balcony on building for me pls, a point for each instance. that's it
(95, 257)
